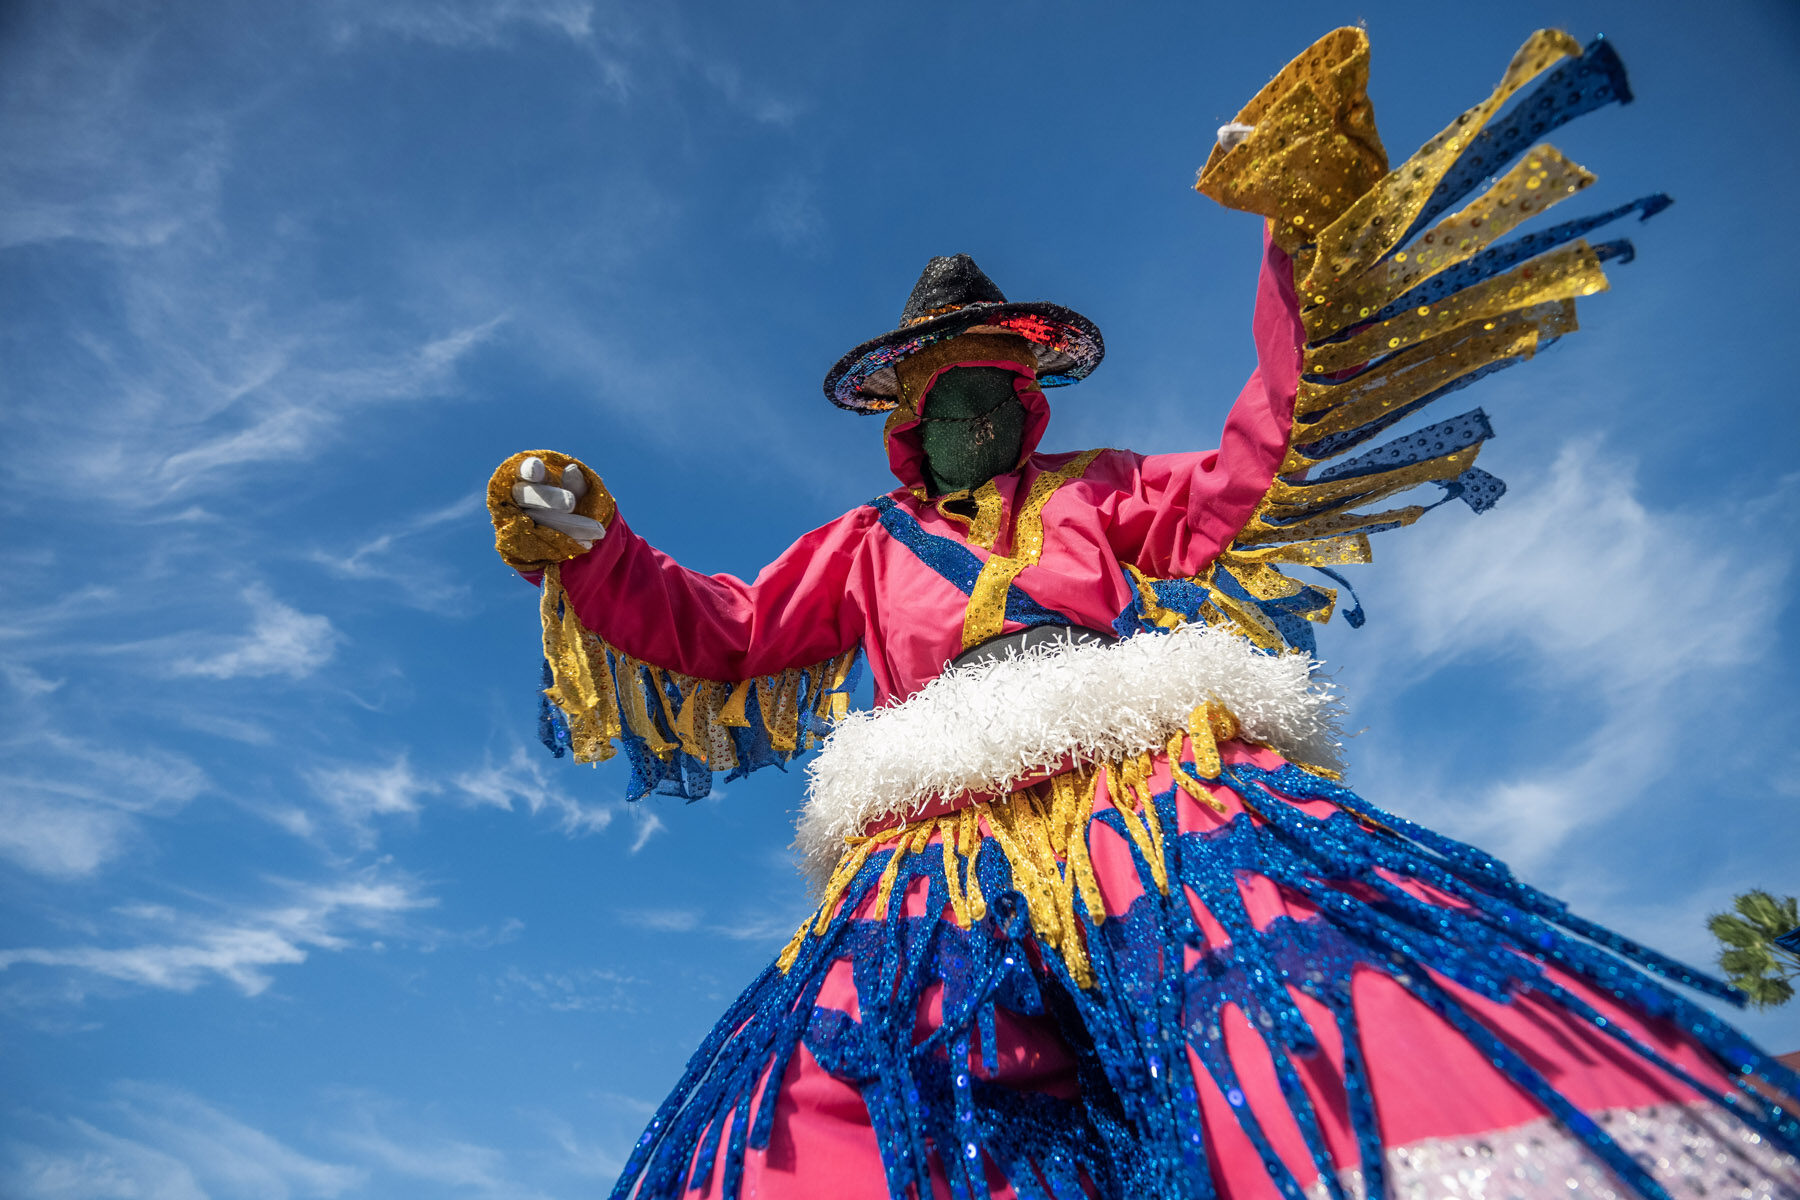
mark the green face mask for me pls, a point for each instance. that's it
(972, 428)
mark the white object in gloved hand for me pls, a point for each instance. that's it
(553, 506)
(1232, 136)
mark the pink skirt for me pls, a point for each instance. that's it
(1252, 986)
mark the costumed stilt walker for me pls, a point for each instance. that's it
(1096, 916)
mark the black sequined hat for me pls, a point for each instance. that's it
(953, 296)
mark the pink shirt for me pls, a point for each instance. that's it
(850, 581)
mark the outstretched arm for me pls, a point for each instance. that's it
(1379, 295)
(796, 612)
(690, 673)
(1177, 512)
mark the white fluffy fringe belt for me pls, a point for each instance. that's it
(986, 727)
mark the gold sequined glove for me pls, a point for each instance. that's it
(547, 508)
(1305, 146)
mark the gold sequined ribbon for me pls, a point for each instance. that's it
(1043, 832)
(986, 614)
(604, 693)
(1315, 169)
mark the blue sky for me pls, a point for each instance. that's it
(293, 904)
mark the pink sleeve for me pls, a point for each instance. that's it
(1176, 512)
(797, 612)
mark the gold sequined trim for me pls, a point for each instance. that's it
(1380, 217)
(1541, 179)
(986, 614)
(1043, 831)
(990, 510)
(1563, 274)
(990, 506)
(1313, 149)
(1328, 524)
(1418, 371)
(916, 370)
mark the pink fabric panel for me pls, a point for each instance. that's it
(1428, 1082)
(917, 620)
(1236, 1167)
(821, 1143)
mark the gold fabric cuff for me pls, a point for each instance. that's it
(523, 543)
(1314, 148)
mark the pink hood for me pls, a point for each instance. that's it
(906, 457)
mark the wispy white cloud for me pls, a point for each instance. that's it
(662, 920)
(1643, 623)
(135, 1140)
(583, 1156)
(581, 989)
(464, 22)
(65, 841)
(281, 640)
(648, 826)
(760, 925)
(233, 1158)
(754, 925)
(357, 796)
(753, 100)
(25, 626)
(166, 1143)
(69, 806)
(790, 211)
(151, 1141)
(281, 433)
(201, 361)
(28, 683)
(635, 50)
(88, 1163)
(598, 1157)
(80, 157)
(206, 388)
(523, 781)
(398, 1148)
(282, 414)
(236, 729)
(638, 388)
(180, 951)
(390, 558)
(486, 937)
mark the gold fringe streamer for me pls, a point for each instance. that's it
(1372, 226)
(1313, 167)
(601, 693)
(1043, 831)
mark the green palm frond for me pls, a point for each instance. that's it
(1750, 955)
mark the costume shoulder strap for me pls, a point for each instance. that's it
(1407, 291)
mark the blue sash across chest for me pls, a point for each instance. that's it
(958, 564)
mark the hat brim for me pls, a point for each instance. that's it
(1068, 347)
